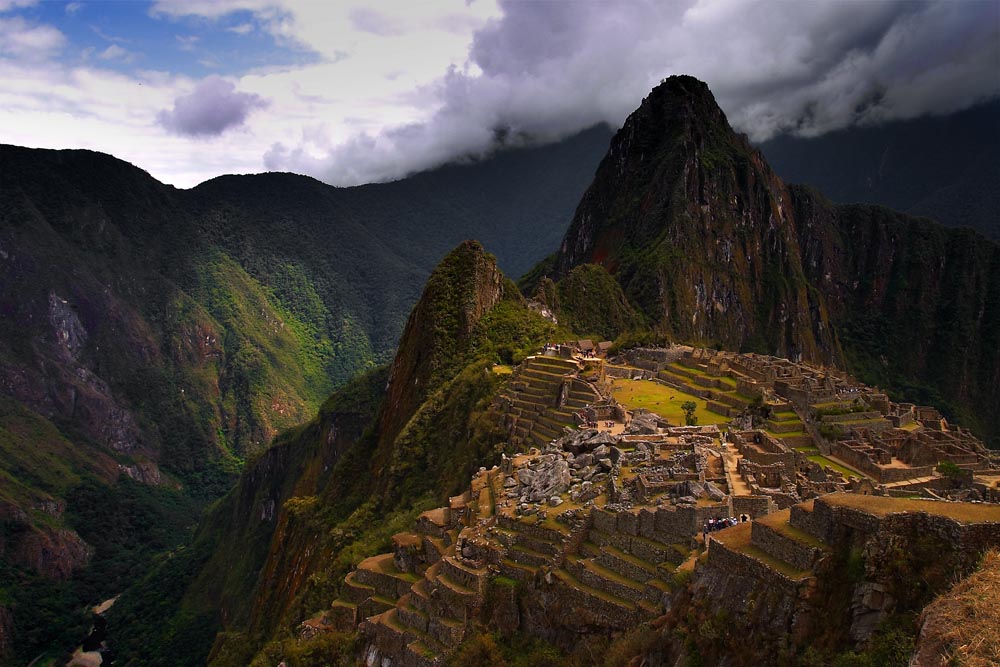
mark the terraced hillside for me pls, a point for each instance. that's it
(541, 398)
(549, 543)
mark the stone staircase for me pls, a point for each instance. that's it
(786, 425)
(541, 398)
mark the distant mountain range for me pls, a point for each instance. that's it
(941, 167)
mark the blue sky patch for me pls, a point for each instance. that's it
(124, 36)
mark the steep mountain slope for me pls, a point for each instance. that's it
(384, 448)
(943, 167)
(713, 247)
(165, 336)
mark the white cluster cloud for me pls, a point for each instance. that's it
(8, 5)
(22, 40)
(114, 52)
(385, 89)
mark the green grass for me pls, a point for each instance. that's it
(664, 401)
(823, 461)
(789, 434)
(726, 380)
(882, 506)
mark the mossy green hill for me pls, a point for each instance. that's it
(169, 335)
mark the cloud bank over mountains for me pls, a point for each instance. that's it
(370, 92)
(545, 70)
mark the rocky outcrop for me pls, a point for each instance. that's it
(54, 553)
(464, 286)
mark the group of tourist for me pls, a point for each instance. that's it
(593, 424)
(713, 525)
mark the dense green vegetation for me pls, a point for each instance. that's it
(187, 328)
(339, 485)
(590, 302)
(127, 524)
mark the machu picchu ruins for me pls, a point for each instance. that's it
(600, 508)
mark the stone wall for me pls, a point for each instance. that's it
(795, 553)
(734, 563)
(828, 520)
(666, 525)
(806, 519)
(755, 506)
(850, 417)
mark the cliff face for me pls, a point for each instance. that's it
(916, 306)
(713, 247)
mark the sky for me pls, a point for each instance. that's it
(352, 92)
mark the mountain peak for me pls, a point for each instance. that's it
(465, 285)
(695, 225)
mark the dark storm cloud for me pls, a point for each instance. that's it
(212, 108)
(546, 69)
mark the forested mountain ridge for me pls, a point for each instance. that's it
(686, 234)
(384, 448)
(162, 336)
(942, 167)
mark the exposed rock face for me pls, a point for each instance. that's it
(912, 302)
(145, 472)
(549, 477)
(53, 553)
(713, 247)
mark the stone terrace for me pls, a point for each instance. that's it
(588, 527)
(562, 523)
(783, 550)
(542, 398)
